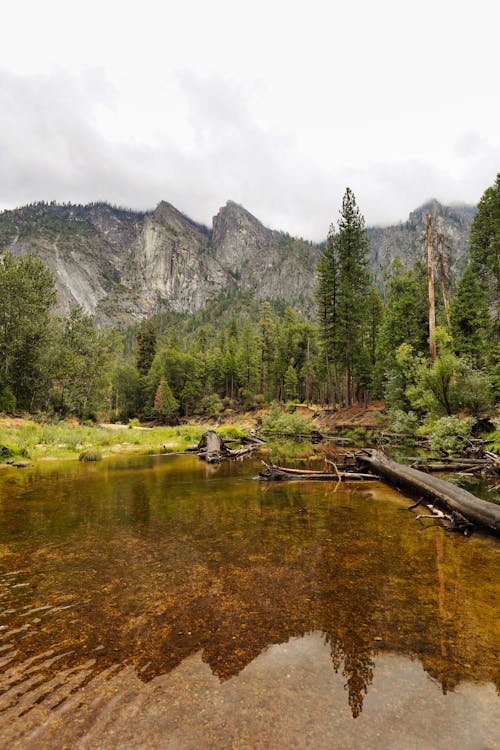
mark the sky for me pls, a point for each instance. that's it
(276, 105)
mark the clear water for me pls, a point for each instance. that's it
(161, 602)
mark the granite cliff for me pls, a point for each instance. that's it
(124, 265)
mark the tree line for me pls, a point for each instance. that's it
(363, 343)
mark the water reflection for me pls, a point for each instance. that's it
(145, 563)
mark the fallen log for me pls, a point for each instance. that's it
(241, 451)
(279, 473)
(452, 498)
(252, 440)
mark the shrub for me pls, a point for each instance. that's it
(403, 422)
(450, 433)
(290, 424)
(5, 453)
(90, 455)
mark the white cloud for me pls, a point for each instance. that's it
(276, 105)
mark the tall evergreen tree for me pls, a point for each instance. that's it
(484, 243)
(327, 310)
(146, 346)
(290, 383)
(374, 317)
(268, 337)
(342, 290)
(405, 317)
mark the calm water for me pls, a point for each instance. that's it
(159, 602)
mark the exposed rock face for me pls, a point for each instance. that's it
(407, 240)
(269, 265)
(124, 265)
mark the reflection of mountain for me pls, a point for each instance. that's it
(288, 697)
(227, 568)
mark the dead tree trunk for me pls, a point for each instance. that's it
(212, 448)
(446, 302)
(430, 282)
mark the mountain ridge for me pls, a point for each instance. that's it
(123, 265)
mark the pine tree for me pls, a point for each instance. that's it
(484, 242)
(146, 346)
(405, 317)
(327, 310)
(374, 317)
(268, 336)
(342, 290)
(290, 383)
(165, 403)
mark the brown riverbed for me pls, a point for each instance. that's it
(160, 602)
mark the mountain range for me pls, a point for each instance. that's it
(124, 265)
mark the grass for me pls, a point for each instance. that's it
(23, 437)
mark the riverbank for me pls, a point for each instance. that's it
(25, 439)
(22, 439)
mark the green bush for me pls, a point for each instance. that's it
(5, 453)
(403, 422)
(291, 424)
(90, 455)
(450, 433)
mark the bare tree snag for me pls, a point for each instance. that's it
(440, 241)
(430, 281)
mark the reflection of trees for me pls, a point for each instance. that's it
(357, 668)
(352, 580)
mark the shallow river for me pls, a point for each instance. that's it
(162, 603)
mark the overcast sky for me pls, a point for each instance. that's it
(276, 105)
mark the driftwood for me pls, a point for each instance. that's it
(452, 498)
(252, 440)
(212, 448)
(280, 473)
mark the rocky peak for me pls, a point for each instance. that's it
(237, 235)
(176, 222)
